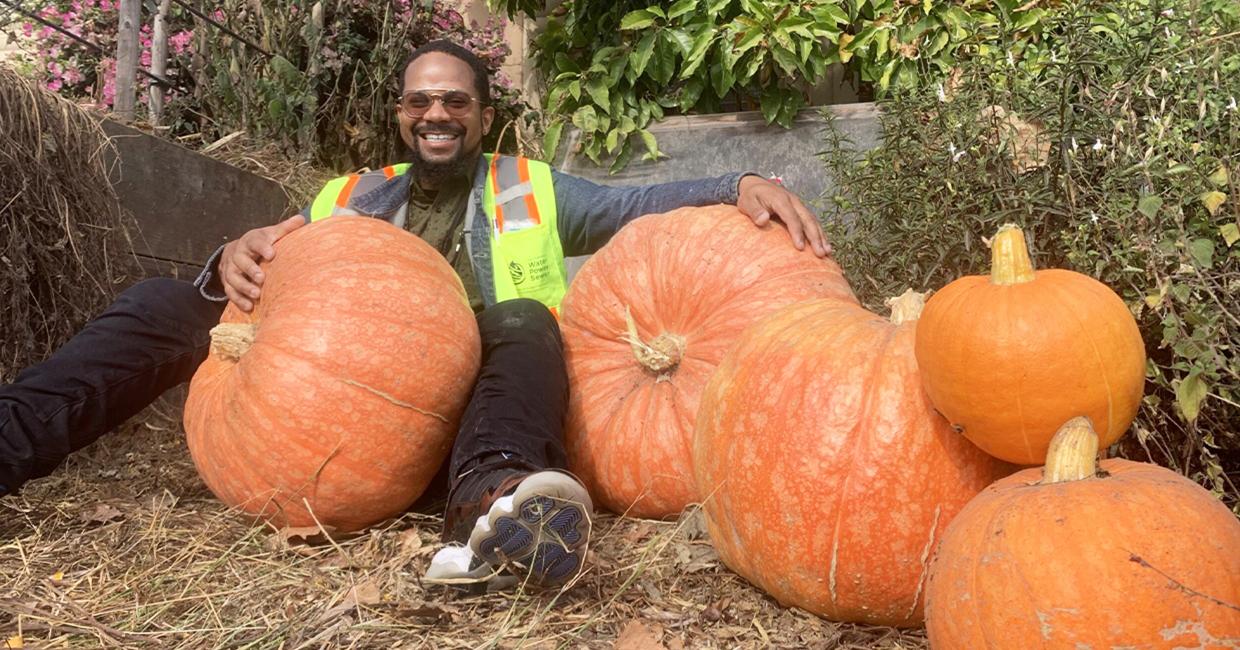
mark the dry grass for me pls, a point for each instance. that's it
(124, 547)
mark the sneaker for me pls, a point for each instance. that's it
(537, 534)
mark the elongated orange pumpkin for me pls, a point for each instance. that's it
(1010, 357)
(828, 478)
(1077, 555)
(337, 398)
(645, 323)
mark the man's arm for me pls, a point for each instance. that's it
(588, 214)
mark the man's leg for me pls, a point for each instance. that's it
(152, 338)
(502, 499)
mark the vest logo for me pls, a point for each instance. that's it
(517, 272)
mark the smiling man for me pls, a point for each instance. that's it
(504, 223)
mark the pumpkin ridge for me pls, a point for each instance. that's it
(982, 629)
(854, 441)
(1010, 323)
(1103, 370)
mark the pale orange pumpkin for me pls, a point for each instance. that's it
(827, 476)
(337, 398)
(1009, 357)
(645, 323)
(1077, 555)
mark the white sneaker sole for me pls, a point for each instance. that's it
(542, 529)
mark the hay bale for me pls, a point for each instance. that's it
(63, 241)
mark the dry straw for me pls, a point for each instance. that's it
(63, 242)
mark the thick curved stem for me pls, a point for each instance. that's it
(1009, 257)
(1073, 453)
(232, 340)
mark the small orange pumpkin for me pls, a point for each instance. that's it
(826, 474)
(1010, 357)
(645, 323)
(337, 398)
(1073, 555)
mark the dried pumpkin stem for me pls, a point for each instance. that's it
(1009, 257)
(661, 355)
(906, 307)
(232, 340)
(1072, 454)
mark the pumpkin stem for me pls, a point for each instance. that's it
(660, 355)
(906, 307)
(1009, 257)
(1072, 453)
(231, 340)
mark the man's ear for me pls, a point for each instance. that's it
(488, 116)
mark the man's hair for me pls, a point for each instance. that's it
(482, 83)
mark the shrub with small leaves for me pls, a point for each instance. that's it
(1117, 154)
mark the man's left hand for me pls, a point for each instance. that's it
(761, 199)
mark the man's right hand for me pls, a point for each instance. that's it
(239, 271)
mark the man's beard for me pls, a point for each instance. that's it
(436, 173)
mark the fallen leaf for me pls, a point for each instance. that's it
(1212, 201)
(309, 535)
(639, 636)
(363, 593)
(638, 532)
(57, 577)
(14, 641)
(410, 541)
(693, 524)
(102, 514)
(435, 613)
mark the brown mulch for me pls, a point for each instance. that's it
(123, 546)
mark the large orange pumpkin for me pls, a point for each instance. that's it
(337, 398)
(1010, 357)
(645, 323)
(828, 478)
(1125, 555)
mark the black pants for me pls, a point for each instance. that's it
(156, 334)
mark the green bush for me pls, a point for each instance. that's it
(612, 68)
(1117, 153)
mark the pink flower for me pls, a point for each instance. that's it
(54, 85)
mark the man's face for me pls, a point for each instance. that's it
(443, 143)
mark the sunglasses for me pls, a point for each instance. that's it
(457, 103)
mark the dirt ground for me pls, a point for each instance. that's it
(124, 547)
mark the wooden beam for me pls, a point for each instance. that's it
(127, 58)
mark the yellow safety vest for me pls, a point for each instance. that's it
(519, 202)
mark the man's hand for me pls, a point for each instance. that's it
(761, 199)
(239, 271)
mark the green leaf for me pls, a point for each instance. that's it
(1220, 177)
(786, 60)
(597, 87)
(1202, 252)
(680, 8)
(1213, 200)
(1149, 205)
(613, 140)
(656, 10)
(940, 40)
(551, 139)
(565, 64)
(701, 45)
(831, 13)
(622, 158)
(652, 145)
(715, 7)
(285, 69)
(1230, 233)
(747, 40)
(771, 102)
(586, 119)
(641, 54)
(690, 94)
(721, 79)
(681, 40)
(1189, 395)
(639, 19)
(663, 63)
(276, 108)
(574, 89)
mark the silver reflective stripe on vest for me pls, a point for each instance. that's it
(511, 195)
